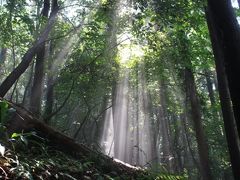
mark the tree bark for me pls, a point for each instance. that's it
(197, 121)
(177, 144)
(3, 57)
(137, 117)
(23, 121)
(50, 85)
(228, 32)
(36, 93)
(227, 111)
(189, 160)
(26, 95)
(210, 88)
(28, 56)
(163, 116)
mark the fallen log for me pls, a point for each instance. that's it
(25, 121)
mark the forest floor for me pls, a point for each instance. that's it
(34, 150)
(23, 158)
(38, 161)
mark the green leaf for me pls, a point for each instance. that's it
(15, 135)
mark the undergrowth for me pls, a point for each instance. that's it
(39, 161)
(28, 156)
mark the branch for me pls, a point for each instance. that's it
(85, 118)
(99, 55)
(60, 107)
(28, 56)
(102, 112)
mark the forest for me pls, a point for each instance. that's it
(120, 89)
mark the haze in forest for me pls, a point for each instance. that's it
(152, 84)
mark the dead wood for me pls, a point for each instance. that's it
(24, 121)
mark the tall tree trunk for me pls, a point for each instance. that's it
(163, 116)
(137, 117)
(228, 32)
(188, 142)
(153, 132)
(210, 87)
(50, 84)
(189, 157)
(28, 56)
(27, 91)
(177, 144)
(3, 57)
(197, 122)
(49, 97)
(228, 117)
(36, 93)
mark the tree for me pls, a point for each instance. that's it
(36, 92)
(228, 117)
(159, 109)
(196, 117)
(3, 56)
(228, 33)
(28, 56)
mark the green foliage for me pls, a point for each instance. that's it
(16, 24)
(52, 164)
(177, 37)
(173, 35)
(23, 137)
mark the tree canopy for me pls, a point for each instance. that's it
(151, 83)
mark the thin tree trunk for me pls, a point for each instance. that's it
(166, 159)
(25, 101)
(36, 93)
(227, 111)
(14, 65)
(137, 117)
(100, 119)
(189, 156)
(14, 89)
(197, 121)
(50, 85)
(153, 132)
(178, 164)
(3, 55)
(188, 142)
(28, 56)
(49, 97)
(210, 87)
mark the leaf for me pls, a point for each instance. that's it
(24, 140)
(68, 176)
(15, 135)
